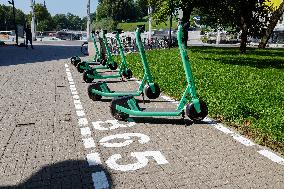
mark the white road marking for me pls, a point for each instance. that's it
(74, 92)
(243, 140)
(80, 113)
(94, 159)
(223, 129)
(126, 136)
(77, 101)
(142, 160)
(83, 122)
(78, 107)
(66, 66)
(86, 131)
(67, 69)
(76, 97)
(71, 82)
(89, 143)
(99, 125)
(272, 156)
(72, 86)
(100, 180)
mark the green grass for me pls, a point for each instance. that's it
(245, 91)
(132, 26)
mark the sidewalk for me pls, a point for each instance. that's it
(53, 136)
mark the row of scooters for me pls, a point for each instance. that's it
(124, 104)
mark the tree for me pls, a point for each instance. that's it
(6, 17)
(249, 16)
(164, 8)
(118, 10)
(276, 15)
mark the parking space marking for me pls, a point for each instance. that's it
(94, 159)
(242, 140)
(99, 179)
(272, 156)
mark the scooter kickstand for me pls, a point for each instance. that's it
(143, 97)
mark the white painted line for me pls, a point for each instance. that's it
(70, 79)
(78, 107)
(80, 113)
(94, 159)
(273, 157)
(77, 101)
(71, 82)
(69, 74)
(83, 122)
(67, 69)
(86, 131)
(89, 143)
(66, 66)
(243, 140)
(72, 86)
(74, 92)
(223, 129)
(76, 97)
(100, 180)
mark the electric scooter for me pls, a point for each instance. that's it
(91, 73)
(75, 60)
(100, 89)
(195, 108)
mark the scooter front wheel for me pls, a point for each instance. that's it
(153, 95)
(86, 78)
(113, 66)
(127, 74)
(115, 113)
(93, 96)
(79, 66)
(193, 115)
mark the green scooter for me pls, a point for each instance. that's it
(109, 63)
(91, 73)
(100, 89)
(196, 110)
(75, 60)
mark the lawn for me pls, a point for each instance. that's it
(245, 91)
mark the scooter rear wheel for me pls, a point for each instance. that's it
(113, 66)
(115, 113)
(79, 66)
(93, 96)
(86, 78)
(127, 74)
(193, 115)
(153, 95)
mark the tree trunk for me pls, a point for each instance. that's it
(272, 23)
(244, 35)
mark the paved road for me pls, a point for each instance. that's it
(53, 136)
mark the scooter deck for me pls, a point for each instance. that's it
(160, 110)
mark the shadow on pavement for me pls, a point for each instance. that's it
(11, 55)
(67, 174)
(163, 121)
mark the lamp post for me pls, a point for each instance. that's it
(14, 15)
(33, 26)
(171, 23)
(88, 19)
